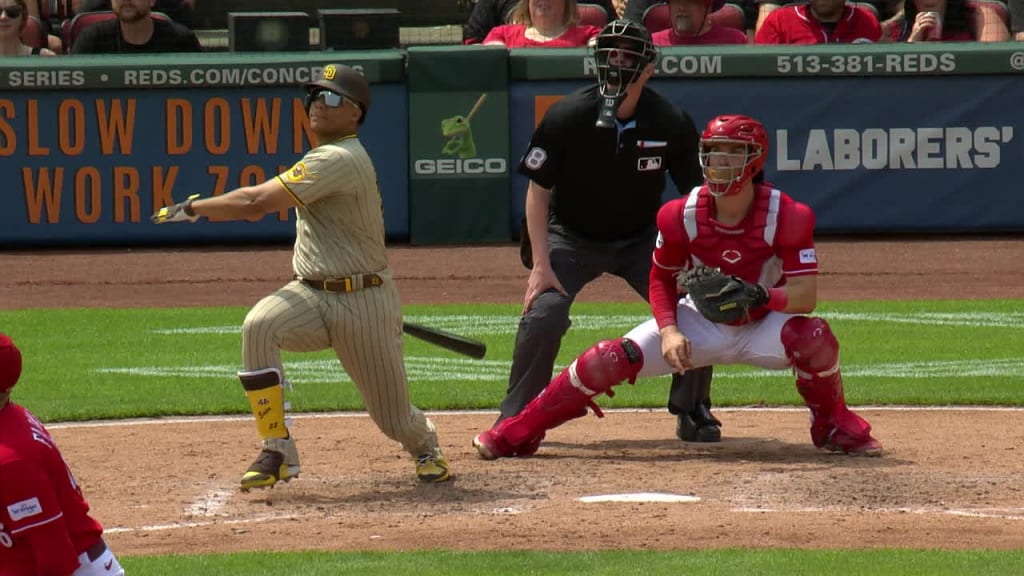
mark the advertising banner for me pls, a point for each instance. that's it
(458, 145)
(927, 154)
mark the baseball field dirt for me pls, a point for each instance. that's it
(951, 478)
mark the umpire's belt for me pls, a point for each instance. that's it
(347, 284)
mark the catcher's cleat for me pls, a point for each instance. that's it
(491, 447)
(699, 426)
(839, 441)
(432, 467)
(278, 461)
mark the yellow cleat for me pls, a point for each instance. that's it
(432, 467)
(277, 462)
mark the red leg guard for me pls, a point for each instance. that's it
(814, 352)
(606, 364)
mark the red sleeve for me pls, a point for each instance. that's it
(31, 503)
(795, 242)
(671, 252)
(497, 34)
(870, 28)
(770, 31)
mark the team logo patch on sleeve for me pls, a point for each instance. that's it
(659, 242)
(24, 509)
(807, 256)
(298, 173)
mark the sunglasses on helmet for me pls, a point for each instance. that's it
(331, 98)
(13, 12)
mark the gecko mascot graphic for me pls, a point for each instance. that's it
(459, 132)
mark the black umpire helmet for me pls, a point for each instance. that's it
(343, 80)
(621, 51)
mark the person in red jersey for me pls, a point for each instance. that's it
(45, 527)
(753, 232)
(542, 24)
(691, 25)
(819, 22)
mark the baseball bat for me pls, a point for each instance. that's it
(446, 340)
(476, 107)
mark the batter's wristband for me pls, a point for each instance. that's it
(777, 299)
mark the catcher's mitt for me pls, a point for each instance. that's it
(720, 298)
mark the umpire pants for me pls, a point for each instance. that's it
(576, 262)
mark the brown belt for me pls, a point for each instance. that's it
(348, 284)
(94, 552)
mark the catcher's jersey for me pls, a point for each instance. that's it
(774, 241)
(44, 520)
(339, 229)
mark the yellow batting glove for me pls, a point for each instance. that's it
(180, 212)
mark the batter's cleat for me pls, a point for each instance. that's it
(278, 461)
(432, 467)
(699, 426)
(839, 441)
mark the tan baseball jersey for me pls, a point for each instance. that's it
(340, 233)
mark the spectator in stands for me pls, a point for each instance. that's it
(819, 22)
(888, 12)
(53, 41)
(13, 19)
(135, 30)
(178, 10)
(1017, 18)
(744, 10)
(691, 25)
(949, 21)
(489, 14)
(542, 23)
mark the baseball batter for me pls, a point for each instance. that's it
(45, 526)
(763, 242)
(342, 296)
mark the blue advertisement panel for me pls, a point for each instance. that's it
(923, 154)
(88, 167)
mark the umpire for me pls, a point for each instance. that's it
(597, 164)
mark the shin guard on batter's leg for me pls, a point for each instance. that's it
(814, 352)
(567, 397)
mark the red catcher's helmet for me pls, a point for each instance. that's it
(10, 363)
(726, 179)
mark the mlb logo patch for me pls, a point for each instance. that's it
(24, 509)
(648, 164)
(807, 256)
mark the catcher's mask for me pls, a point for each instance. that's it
(621, 52)
(336, 83)
(726, 171)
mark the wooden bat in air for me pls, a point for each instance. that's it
(447, 340)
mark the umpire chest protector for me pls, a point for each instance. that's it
(607, 182)
(747, 249)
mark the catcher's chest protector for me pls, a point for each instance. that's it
(747, 250)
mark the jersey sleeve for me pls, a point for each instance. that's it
(544, 155)
(36, 519)
(795, 242)
(318, 174)
(684, 165)
(771, 30)
(671, 252)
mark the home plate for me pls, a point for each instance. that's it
(639, 497)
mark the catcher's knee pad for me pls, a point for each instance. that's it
(810, 346)
(602, 366)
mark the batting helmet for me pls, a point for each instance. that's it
(10, 363)
(343, 80)
(622, 50)
(727, 179)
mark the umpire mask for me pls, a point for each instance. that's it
(621, 52)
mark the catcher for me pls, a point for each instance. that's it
(744, 253)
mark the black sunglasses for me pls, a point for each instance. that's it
(13, 12)
(331, 99)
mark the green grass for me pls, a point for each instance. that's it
(100, 363)
(614, 563)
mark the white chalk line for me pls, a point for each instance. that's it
(998, 514)
(175, 420)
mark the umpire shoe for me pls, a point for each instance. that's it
(699, 426)
(432, 467)
(278, 461)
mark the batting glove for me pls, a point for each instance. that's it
(180, 212)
